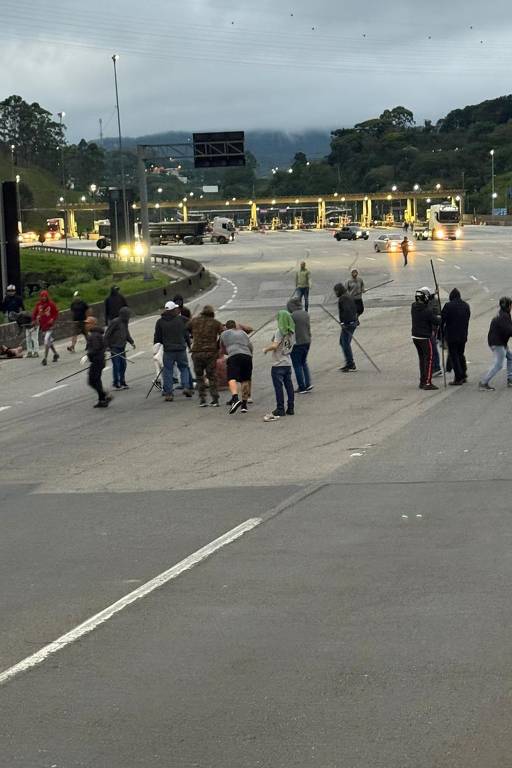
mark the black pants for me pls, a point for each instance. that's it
(458, 360)
(424, 350)
(95, 372)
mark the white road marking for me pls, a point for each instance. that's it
(456, 266)
(486, 289)
(357, 454)
(505, 258)
(5, 407)
(145, 589)
(371, 258)
(419, 516)
(405, 517)
(439, 258)
(474, 278)
(52, 389)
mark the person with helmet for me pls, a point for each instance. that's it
(12, 304)
(424, 323)
(498, 337)
(44, 316)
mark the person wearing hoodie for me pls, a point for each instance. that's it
(347, 311)
(116, 337)
(206, 330)
(281, 347)
(355, 287)
(300, 351)
(424, 324)
(44, 316)
(500, 332)
(12, 304)
(113, 304)
(171, 332)
(455, 323)
(79, 309)
(184, 311)
(95, 352)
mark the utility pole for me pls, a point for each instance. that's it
(115, 59)
(61, 116)
(144, 211)
(101, 132)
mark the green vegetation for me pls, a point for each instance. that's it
(92, 277)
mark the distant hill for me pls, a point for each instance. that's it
(271, 148)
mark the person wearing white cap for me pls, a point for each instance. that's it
(171, 332)
(12, 304)
(79, 310)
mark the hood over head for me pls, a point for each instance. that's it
(294, 304)
(124, 314)
(114, 290)
(339, 289)
(454, 294)
(208, 311)
(44, 295)
(285, 322)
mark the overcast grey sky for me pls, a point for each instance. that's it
(218, 64)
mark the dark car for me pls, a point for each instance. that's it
(352, 232)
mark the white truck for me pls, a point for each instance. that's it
(443, 223)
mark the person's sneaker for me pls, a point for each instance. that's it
(509, 382)
(116, 386)
(456, 383)
(215, 403)
(244, 408)
(311, 386)
(44, 361)
(55, 357)
(290, 412)
(429, 386)
(437, 373)
(101, 404)
(485, 387)
(203, 403)
(229, 402)
(108, 398)
(124, 385)
(169, 398)
(237, 403)
(301, 391)
(271, 417)
(188, 392)
(249, 400)
(70, 349)
(348, 368)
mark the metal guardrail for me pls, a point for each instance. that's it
(189, 265)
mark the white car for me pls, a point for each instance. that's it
(389, 243)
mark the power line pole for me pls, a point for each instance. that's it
(115, 58)
(101, 132)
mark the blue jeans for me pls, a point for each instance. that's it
(118, 365)
(500, 353)
(282, 379)
(347, 331)
(436, 362)
(180, 358)
(299, 357)
(303, 293)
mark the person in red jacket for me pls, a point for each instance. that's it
(44, 316)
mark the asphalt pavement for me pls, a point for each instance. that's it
(357, 612)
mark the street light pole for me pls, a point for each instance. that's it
(61, 116)
(115, 58)
(492, 181)
(13, 150)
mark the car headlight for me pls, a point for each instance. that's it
(124, 251)
(458, 233)
(439, 234)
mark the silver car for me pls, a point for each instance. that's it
(387, 242)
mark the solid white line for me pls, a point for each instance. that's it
(145, 589)
(5, 407)
(53, 389)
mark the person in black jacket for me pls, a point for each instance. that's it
(171, 332)
(424, 323)
(455, 322)
(116, 337)
(12, 304)
(348, 320)
(96, 353)
(78, 309)
(113, 304)
(499, 334)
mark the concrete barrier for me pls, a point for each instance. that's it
(191, 285)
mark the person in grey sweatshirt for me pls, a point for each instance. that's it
(116, 337)
(300, 351)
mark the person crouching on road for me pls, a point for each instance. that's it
(300, 351)
(117, 336)
(348, 320)
(171, 332)
(455, 317)
(281, 347)
(424, 324)
(500, 332)
(236, 344)
(95, 351)
(355, 288)
(206, 330)
(44, 316)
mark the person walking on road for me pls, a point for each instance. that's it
(404, 245)
(116, 337)
(113, 304)
(498, 337)
(45, 316)
(303, 284)
(347, 311)
(281, 347)
(184, 311)
(206, 330)
(171, 332)
(355, 288)
(79, 310)
(236, 344)
(95, 353)
(300, 351)
(12, 304)
(406, 227)
(455, 323)
(424, 323)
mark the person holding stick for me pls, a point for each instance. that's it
(95, 353)
(355, 288)
(424, 324)
(348, 320)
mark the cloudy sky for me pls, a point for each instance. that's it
(219, 64)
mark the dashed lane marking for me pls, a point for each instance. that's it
(145, 589)
(52, 389)
(474, 278)
(5, 407)
(457, 266)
